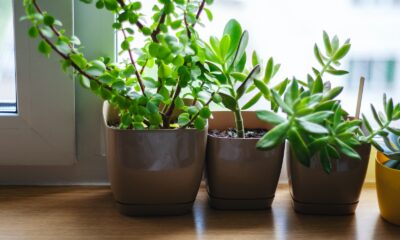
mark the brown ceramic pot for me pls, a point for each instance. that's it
(316, 192)
(154, 172)
(239, 176)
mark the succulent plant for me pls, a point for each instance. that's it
(227, 60)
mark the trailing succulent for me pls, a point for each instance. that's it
(315, 122)
(390, 136)
(167, 74)
(227, 60)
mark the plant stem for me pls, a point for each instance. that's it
(171, 107)
(239, 123)
(139, 78)
(201, 7)
(198, 113)
(158, 28)
(138, 23)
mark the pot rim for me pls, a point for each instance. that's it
(380, 158)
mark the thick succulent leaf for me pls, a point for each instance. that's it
(318, 117)
(274, 137)
(299, 147)
(252, 101)
(228, 101)
(234, 30)
(247, 82)
(241, 49)
(281, 103)
(325, 160)
(347, 150)
(312, 127)
(270, 117)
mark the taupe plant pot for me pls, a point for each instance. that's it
(154, 172)
(315, 192)
(239, 176)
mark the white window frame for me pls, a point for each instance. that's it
(42, 132)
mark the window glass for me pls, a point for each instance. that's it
(7, 59)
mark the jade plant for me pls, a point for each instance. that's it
(315, 121)
(165, 75)
(227, 60)
(390, 136)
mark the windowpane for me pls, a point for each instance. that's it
(7, 59)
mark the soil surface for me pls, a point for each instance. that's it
(231, 133)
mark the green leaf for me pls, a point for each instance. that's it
(270, 117)
(252, 101)
(249, 80)
(33, 32)
(376, 116)
(241, 50)
(263, 88)
(325, 160)
(389, 109)
(234, 30)
(224, 46)
(274, 137)
(269, 69)
(331, 94)
(342, 52)
(105, 93)
(327, 43)
(44, 48)
(255, 59)
(164, 71)
(111, 5)
(79, 60)
(347, 150)
(228, 101)
(312, 127)
(48, 20)
(317, 55)
(205, 112)
(281, 103)
(217, 98)
(199, 123)
(337, 72)
(318, 117)
(209, 14)
(318, 85)
(299, 147)
(183, 119)
(84, 81)
(239, 76)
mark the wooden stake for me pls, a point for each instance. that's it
(359, 98)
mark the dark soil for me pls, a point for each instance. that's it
(231, 133)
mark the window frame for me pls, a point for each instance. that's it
(42, 132)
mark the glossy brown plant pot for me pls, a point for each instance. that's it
(239, 176)
(153, 172)
(316, 192)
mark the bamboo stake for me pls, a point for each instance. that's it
(359, 97)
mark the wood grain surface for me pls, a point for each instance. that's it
(89, 213)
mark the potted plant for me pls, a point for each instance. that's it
(387, 171)
(156, 102)
(239, 176)
(327, 152)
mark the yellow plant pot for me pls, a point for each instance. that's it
(388, 189)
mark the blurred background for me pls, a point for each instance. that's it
(286, 30)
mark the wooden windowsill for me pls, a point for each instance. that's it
(89, 213)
